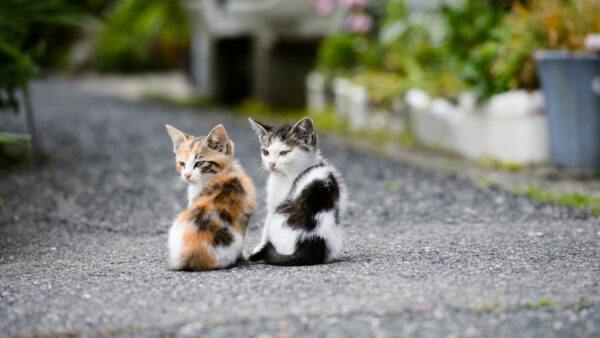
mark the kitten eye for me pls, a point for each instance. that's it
(265, 152)
(283, 153)
(181, 163)
(197, 164)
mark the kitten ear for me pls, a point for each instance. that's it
(218, 140)
(304, 131)
(177, 136)
(259, 128)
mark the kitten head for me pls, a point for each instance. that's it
(198, 158)
(287, 147)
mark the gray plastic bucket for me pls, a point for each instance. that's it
(571, 84)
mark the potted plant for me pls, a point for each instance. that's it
(556, 30)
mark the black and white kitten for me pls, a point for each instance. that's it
(305, 197)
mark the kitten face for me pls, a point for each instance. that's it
(286, 148)
(199, 158)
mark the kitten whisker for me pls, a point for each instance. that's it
(261, 169)
(176, 182)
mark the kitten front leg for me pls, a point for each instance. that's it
(260, 251)
(264, 238)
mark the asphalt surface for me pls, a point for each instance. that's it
(83, 244)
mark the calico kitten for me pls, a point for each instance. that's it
(209, 234)
(305, 196)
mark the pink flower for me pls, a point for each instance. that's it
(354, 3)
(325, 7)
(359, 23)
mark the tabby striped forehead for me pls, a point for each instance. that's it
(194, 148)
(196, 144)
(283, 135)
(191, 145)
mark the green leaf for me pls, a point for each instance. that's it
(15, 139)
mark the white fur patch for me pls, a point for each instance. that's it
(176, 261)
(278, 187)
(193, 191)
(328, 230)
(281, 235)
(227, 255)
(343, 202)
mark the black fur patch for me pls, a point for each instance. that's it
(223, 237)
(262, 253)
(320, 195)
(225, 216)
(310, 251)
(210, 189)
(210, 167)
(229, 189)
(202, 223)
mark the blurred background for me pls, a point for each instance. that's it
(509, 82)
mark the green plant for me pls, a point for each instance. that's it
(548, 24)
(571, 199)
(22, 46)
(337, 51)
(471, 30)
(540, 304)
(143, 35)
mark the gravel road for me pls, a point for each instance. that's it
(83, 244)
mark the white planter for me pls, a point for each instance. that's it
(510, 128)
(316, 92)
(340, 88)
(357, 99)
(430, 129)
(519, 139)
(379, 120)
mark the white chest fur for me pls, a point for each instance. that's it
(278, 187)
(193, 191)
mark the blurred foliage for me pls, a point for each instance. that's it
(24, 45)
(36, 34)
(547, 24)
(570, 199)
(143, 35)
(349, 51)
(337, 51)
(23, 41)
(486, 46)
(468, 30)
(384, 87)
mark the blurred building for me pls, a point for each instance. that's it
(259, 48)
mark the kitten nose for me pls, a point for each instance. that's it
(272, 165)
(187, 176)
